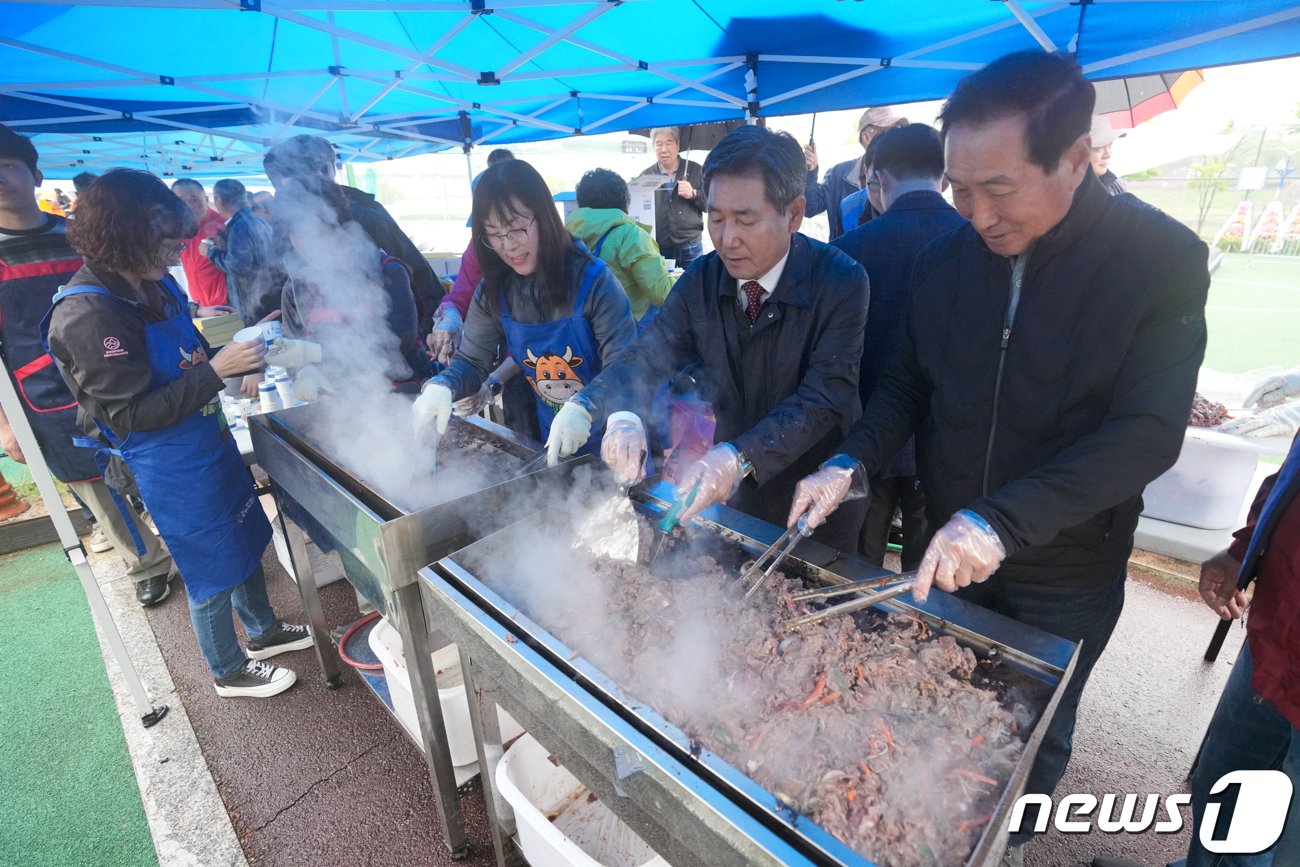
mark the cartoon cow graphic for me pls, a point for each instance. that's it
(192, 359)
(553, 377)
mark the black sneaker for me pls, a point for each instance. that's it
(286, 637)
(151, 591)
(256, 680)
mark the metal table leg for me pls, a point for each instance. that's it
(326, 654)
(407, 614)
(487, 736)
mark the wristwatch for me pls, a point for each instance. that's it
(494, 385)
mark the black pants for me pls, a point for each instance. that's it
(887, 494)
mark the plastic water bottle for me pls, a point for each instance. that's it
(268, 397)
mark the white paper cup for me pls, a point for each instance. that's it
(670, 264)
(252, 332)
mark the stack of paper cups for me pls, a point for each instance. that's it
(270, 399)
(284, 388)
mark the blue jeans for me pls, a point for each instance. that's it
(1087, 615)
(215, 628)
(685, 254)
(1246, 733)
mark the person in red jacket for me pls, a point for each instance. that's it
(205, 282)
(1257, 723)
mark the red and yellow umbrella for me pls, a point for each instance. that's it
(1127, 102)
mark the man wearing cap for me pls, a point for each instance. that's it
(1103, 136)
(847, 177)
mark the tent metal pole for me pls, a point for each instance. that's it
(75, 553)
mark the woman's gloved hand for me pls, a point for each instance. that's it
(444, 339)
(718, 473)
(820, 494)
(570, 430)
(965, 551)
(1277, 421)
(237, 358)
(624, 447)
(1275, 389)
(433, 406)
(293, 353)
(309, 382)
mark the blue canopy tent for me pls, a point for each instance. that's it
(203, 86)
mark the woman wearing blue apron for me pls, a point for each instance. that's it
(558, 310)
(122, 335)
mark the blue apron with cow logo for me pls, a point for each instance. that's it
(190, 475)
(558, 357)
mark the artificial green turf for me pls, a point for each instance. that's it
(68, 795)
(1253, 313)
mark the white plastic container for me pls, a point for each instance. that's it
(1207, 486)
(560, 822)
(387, 645)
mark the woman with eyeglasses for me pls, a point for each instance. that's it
(125, 342)
(559, 311)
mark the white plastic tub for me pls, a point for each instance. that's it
(560, 821)
(387, 645)
(1208, 485)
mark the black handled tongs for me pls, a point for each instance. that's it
(874, 592)
(785, 542)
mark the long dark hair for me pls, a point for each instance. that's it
(122, 219)
(502, 190)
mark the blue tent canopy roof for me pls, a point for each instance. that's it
(204, 85)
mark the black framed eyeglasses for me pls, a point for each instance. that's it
(514, 236)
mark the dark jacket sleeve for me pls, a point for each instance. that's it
(830, 384)
(388, 236)
(626, 381)
(1241, 538)
(118, 390)
(1142, 433)
(815, 194)
(479, 347)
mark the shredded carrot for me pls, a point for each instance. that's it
(977, 777)
(871, 742)
(977, 740)
(853, 793)
(759, 738)
(972, 824)
(818, 689)
(862, 675)
(889, 738)
(829, 698)
(866, 769)
(1015, 726)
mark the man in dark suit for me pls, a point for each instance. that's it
(773, 320)
(907, 162)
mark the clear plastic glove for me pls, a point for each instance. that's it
(840, 478)
(1278, 421)
(1275, 389)
(473, 405)
(570, 430)
(309, 382)
(719, 473)
(624, 447)
(965, 551)
(293, 353)
(444, 339)
(433, 406)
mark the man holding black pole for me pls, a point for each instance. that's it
(679, 205)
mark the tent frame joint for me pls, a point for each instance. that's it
(250, 5)
(488, 79)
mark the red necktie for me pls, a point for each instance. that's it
(753, 292)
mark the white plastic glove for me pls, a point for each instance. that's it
(433, 406)
(1278, 421)
(309, 382)
(1275, 389)
(444, 339)
(293, 353)
(473, 405)
(718, 473)
(624, 447)
(821, 493)
(965, 551)
(570, 430)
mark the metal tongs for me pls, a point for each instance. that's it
(786, 542)
(875, 591)
(536, 462)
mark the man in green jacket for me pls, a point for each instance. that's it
(602, 223)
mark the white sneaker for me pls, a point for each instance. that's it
(98, 541)
(256, 680)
